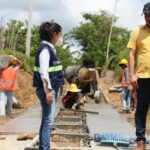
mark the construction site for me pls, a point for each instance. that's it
(75, 130)
(74, 75)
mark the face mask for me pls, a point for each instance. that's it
(60, 41)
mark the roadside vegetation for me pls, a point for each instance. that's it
(91, 35)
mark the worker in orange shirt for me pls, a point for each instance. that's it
(8, 82)
(126, 87)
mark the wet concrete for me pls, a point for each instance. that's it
(108, 120)
(28, 121)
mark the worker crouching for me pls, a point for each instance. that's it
(71, 100)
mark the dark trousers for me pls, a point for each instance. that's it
(143, 101)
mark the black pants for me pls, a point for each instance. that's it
(143, 101)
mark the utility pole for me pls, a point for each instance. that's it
(29, 27)
(110, 33)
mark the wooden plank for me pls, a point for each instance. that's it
(60, 148)
(76, 111)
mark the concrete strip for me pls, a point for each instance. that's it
(28, 121)
(108, 120)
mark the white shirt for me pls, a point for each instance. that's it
(44, 59)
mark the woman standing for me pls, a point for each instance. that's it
(47, 78)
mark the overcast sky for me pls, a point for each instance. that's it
(68, 13)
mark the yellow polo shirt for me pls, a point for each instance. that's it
(140, 41)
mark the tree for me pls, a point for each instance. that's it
(11, 34)
(2, 37)
(65, 56)
(92, 35)
(15, 36)
(21, 40)
(35, 40)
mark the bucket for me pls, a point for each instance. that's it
(4, 61)
(3, 101)
(109, 78)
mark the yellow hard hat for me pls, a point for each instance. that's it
(73, 88)
(123, 62)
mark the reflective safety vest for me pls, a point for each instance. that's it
(8, 79)
(55, 69)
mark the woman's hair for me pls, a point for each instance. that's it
(47, 30)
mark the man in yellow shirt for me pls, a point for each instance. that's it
(139, 56)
